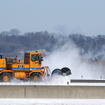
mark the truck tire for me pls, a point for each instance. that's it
(35, 76)
(5, 77)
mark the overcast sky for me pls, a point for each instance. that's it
(62, 16)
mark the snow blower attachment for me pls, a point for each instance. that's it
(31, 68)
(64, 71)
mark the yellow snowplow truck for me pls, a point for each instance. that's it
(31, 68)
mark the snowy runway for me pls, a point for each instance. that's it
(52, 102)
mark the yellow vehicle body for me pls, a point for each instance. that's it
(31, 68)
(2, 64)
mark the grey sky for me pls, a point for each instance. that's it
(65, 16)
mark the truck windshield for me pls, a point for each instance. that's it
(34, 57)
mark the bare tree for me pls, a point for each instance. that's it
(14, 32)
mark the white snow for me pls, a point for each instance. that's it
(58, 81)
(52, 102)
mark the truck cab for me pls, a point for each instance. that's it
(34, 59)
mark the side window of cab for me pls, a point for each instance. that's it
(27, 55)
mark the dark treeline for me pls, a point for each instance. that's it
(12, 43)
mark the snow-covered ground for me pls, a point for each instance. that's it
(52, 102)
(59, 80)
(52, 84)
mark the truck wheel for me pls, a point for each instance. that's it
(35, 76)
(5, 77)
